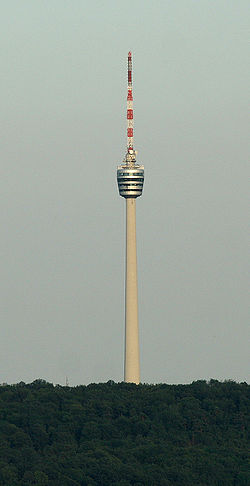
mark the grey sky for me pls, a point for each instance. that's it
(63, 87)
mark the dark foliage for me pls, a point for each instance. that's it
(123, 434)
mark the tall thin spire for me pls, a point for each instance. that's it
(130, 177)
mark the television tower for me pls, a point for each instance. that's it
(130, 178)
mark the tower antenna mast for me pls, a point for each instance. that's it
(130, 111)
(130, 178)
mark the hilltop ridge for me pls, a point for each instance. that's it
(124, 434)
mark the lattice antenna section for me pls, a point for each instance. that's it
(130, 111)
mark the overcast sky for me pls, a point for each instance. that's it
(63, 132)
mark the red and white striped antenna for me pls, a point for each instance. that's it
(130, 112)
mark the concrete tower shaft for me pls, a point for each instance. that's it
(132, 354)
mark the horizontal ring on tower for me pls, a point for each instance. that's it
(130, 180)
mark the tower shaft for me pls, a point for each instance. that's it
(132, 358)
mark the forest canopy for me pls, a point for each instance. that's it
(124, 434)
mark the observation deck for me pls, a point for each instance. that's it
(130, 178)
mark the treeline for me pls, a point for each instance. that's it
(123, 434)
